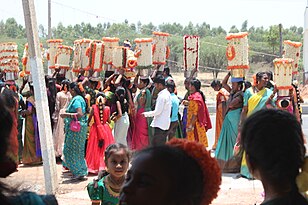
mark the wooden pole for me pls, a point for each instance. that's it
(41, 102)
(280, 40)
(49, 19)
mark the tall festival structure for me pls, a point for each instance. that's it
(96, 57)
(26, 69)
(109, 44)
(292, 50)
(9, 61)
(52, 51)
(237, 54)
(305, 55)
(190, 54)
(283, 70)
(81, 57)
(62, 58)
(143, 53)
(160, 49)
(124, 59)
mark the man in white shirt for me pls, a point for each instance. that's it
(161, 113)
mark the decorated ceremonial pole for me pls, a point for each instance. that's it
(305, 53)
(40, 93)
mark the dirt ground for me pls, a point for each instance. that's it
(233, 190)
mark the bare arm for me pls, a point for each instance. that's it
(90, 116)
(225, 82)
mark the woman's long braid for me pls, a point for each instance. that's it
(298, 101)
(101, 109)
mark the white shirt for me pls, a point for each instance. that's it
(162, 110)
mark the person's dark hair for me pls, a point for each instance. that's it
(101, 108)
(259, 76)
(94, 83)
(185, 184)
(65, 83)
(109, 151)
(74, 86)
(273, 141)
(160, 80)
(247, 84)
(146, 81)
(270, 75)
(167, 71)
(170, 85)
(215, 83)
(197, 84)
(240, 84)
(6, 123)
(120, 96)
(10, 98)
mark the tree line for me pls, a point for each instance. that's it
(262, 41)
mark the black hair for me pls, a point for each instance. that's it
(10, 98)
(270, 75)
(101, 108)
(247, 84)
(64, 83)
(167, 71)
(185, 185)
(197, 84)
(146, 81)
(160, 80)
(274, 142)
(215, 83)
(120, 96)
(94, 83)
(170, 85)
(6, 123)
(74, 86)
(112, 148)
(240, 84)
(259, 76)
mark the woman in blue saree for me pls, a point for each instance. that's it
(224, 151)
(74, 143)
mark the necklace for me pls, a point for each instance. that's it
(116, 183)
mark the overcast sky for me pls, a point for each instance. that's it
(223, 13)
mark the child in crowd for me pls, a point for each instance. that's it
(106, 189)
(275, 153)
(181, 172)
(100, 136)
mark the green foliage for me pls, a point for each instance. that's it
(212, 44)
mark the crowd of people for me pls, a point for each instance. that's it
(98, 126)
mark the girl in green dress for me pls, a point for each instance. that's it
(106, 189)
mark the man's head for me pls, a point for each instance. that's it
(160, 82)
(170, 85)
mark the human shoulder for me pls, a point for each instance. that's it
(28, 198)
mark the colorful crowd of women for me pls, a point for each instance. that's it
(95, 127)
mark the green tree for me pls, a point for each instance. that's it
(233, 29)
(12, 29)
(244, 26)
(147, 29)
(272, 36)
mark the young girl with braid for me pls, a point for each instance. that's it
(100, 135)
(181, 172)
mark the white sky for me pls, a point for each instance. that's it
(223, 13)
